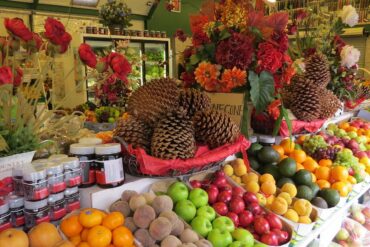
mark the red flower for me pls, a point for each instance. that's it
(17, 28)
(281, 38)
(309, 52)
(292, 29)
(181, 35)
(188, 78)
(197, 23)
(87, 55)
(56, 34)
(288, 74)
(120, 66)
(338, 43)
(269, 58)
(6, 75)
(300, 14)
(18, 77)
(273, 109)
(37, 41)
(102, 65)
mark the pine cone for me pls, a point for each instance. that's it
(193, 100)
(173, 137)
(215, 128)
(305, 104)
(287, 94)
(329, 104)
(154, 100)
(317, 70)
(135, 132)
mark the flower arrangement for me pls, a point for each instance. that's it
(115, 13)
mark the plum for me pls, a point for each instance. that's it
(144, 237)
(178, 228)
(143, 216)
(127, 194)
(171, 216)
(203, 243)
(122, 207)
(189, 236)
(137, 201)
(130, 224)
(162, 203)
(170, 241)
(149, 197)
(160, 228)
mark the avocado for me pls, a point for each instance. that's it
(267, 155)
(253, 163)
(304, 192)
(319, 202)
(303, 177)
(283, 181)
(315, 189)
(287, 167)
(331, 196)
(254, 148)
(271, 169)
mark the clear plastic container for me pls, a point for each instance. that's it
(36, 212)
(72, 171)
(57, 205)
(17, 176)
(16, 207)
(35, 184)
(4, 216)
(86, 155)
(55, 177)
(72, 198)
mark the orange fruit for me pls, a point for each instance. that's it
(268, 187)
(299, 166)
(323, 183)
(325, 162)
(278, 149)
(310, 165)
(322, 172)
(122, 237)
(252, 186)
(83, 244)
(84, 234)
(71, 226)
(266, 177)
(339, 173)
(288, 145)
(352, 180)
(99, 236)
(90, 218)
(283, 157)
(354, 129)
(113, 220)
(313, 177)
(360, 132)
(344, 125)
(75, 240)
(341, 187)
(298, 155)
(301, 139)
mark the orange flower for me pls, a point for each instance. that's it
(206, 75)
(232, 78)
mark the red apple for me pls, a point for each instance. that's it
(270, 239)
(245, 218)
(274, 221)
(255, 208)
(256, 236)
(282, 236)
(219, 182)
(261, 225)
(234, 217)
(220, 208)
(224, 196)
(220, 173)
(226, 187)
(238, 192)
(250, 197)
(212, 194)
(351, 171)
(195, 184)
(236, 205)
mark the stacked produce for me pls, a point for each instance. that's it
(167, 121)
(103, 114)
(361, 214)
(352, 233)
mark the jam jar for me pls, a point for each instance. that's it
(90, 141)
(16, 206)
(57, 206)
(72, 171)
(17, 176)
(35, 184)
(252, 139)
(55, 177)
(109, 171)
(72, 197)
(266, 140)
(86, 155)
(58, 157)
(4, 216)
(36, 212)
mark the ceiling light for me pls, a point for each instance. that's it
(86, 3)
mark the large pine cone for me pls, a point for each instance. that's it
(173, 137)
(154, 100)
(317, 70)
(287, 94)
(192, 101)
(329, 104)
(306, 102)
(215, 128)
(135, 132)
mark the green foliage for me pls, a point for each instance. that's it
(115, 13)
(262, 89)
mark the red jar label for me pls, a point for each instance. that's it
(72, 182)
(58, 187)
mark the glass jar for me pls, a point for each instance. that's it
(72, 171)
(40, 163)
(163, 34)
(139, 33)
(158, 34)
(35, 184)
(72, 197)
(151, 33)
(55, 176)
(58, 157)
(146, 33)
(90, 141)
(86, 155)
(4, 216)
(101, 30)
(17, 176)
(252, 139)
(109, 171)
(266, 140)
(57, 206)
(89, 29)
(16, 206)
(94, 30)
(36, 212)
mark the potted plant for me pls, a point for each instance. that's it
(116, 15)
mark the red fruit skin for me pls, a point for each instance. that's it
(238, 192)
(245, 218)
(269, 239)
(212, 192)
(282, 236)
(196, 184)
(220, 173)
(236, 205)
(261, 225)
(219, 182)
(256, 236)
(220, 208)
(274, 221)
(255, 208)
(234, 217)
(249, 197)
(224, 196)
(226, 187)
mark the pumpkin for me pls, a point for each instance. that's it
(44, 235)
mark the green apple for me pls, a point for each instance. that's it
(186, 210)
(362, 147)
(260, 245)
(207, 211)
(178, 191)
(330, 132)
(367, 146)
(239, 244)
(352, 134)
(224, 224)
(243, 236)
(363, 139)
(201, 225)
(199, 197)
(220, 238)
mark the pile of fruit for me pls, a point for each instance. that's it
(351, 234)
(103, 114)
(95, 228)
(361, 214)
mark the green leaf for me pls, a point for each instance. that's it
(262, 89)
(224, 34)
(287, 120)
(194, 59)
(210, 49)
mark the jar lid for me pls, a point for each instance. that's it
(57, 157)
(70, 163)
(33, 205)
(15, 201)
(17, 171)
(41, 163)
(252, 139)
(4, 207)
(55, 197)
(54, 169)
(34, 174)
(267, 139)
(81, 149)
(110, 148)
(90, 141)
(71, 191)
